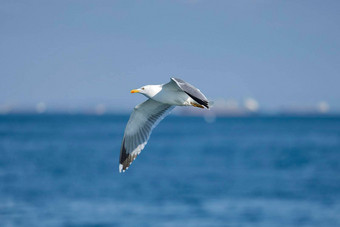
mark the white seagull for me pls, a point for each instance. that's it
(145, 116)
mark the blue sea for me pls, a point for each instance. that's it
(62, 170)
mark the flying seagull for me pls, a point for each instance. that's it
(145, 116)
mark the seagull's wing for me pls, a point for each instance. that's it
(143, 119)
(190, 90)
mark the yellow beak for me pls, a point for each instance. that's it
(134, 91)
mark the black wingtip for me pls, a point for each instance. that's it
(123, 153)
(199, 101)
(123, 158)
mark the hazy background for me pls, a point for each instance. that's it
(74, 55)
(262, 57)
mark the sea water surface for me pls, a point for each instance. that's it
(62, 170)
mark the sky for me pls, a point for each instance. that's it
(77, 54)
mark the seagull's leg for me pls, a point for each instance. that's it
(197, 105)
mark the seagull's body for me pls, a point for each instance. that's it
(145, 116)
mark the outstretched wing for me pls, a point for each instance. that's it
(193, 92)
(143, 119)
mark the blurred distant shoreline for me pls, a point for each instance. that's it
(249, 107)
(209, 115)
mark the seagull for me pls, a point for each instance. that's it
(145, 116)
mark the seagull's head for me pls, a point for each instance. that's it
(148, 90)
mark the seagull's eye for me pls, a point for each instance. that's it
(142, 88)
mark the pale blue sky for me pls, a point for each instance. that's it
(80, 53)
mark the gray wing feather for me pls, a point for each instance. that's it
(143, 120)
(192, 91)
